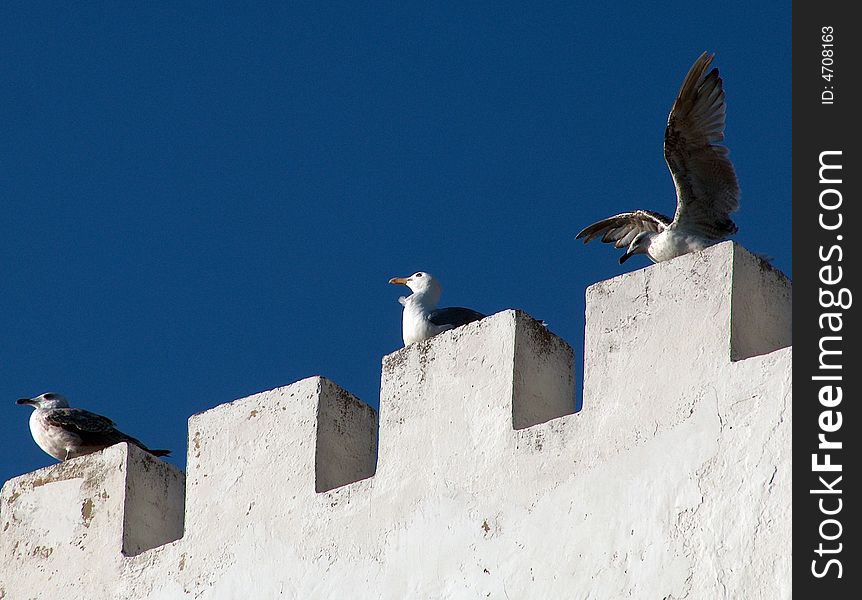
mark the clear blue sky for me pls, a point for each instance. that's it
(201, 203)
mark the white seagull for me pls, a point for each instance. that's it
(66, 433)
(706, 187)
(421, 318)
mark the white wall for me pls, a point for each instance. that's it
(672, 482)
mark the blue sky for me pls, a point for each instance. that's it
(201, 203)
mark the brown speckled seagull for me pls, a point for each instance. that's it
(66, 433)
(706, 187)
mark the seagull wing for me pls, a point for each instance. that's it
(93, 429)
(621, 229)
(454, 316)
(81, 421)
(706, 187)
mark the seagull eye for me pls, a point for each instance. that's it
(418, 275)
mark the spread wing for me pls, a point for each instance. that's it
(706, 187)
(621, 229)
(454, 316)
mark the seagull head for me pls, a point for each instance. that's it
(639, 245)
(422, 285)
(46, 400)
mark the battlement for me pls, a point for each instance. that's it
(479, 480)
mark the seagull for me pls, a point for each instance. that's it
(422, 319)
(706, 187)
(66, 433)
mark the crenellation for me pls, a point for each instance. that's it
(92, 510)
(482, 482)
(154, 502)
(657, 327)
(310, 436)
(761, 307)
(346, 449)
(428, 388)
(544, 377)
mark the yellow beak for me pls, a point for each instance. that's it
(400, 280)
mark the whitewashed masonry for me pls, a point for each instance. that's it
(672, 482)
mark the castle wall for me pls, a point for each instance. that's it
(477, 480)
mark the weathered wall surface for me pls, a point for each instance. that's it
(672, 482)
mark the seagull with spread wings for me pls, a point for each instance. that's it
(706, 187)
(65, 432)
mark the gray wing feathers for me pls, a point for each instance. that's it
(621, 229)
(93, 429)
(454, 316)
(79, 420)
(706, 186)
